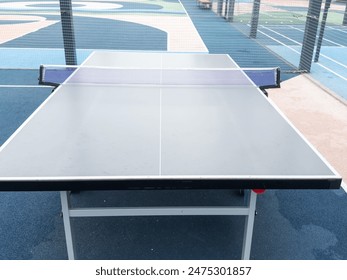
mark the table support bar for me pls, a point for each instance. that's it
(248, 211)
(159, 211)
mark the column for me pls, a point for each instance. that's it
(68, 32)
(310, 33)
(255, 19)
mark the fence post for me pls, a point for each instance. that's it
(311, 28)
(68, 32)
(255, 19)
(220, 7)
(231, 9)
(345, 17)
(322, 28)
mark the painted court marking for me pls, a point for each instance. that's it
(297, 52)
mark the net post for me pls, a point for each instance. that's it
(309, 40)
(255, 19)
(68, 32)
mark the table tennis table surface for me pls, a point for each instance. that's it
(160, 120)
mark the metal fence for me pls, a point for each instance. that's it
(296, 30)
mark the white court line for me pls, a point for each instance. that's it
(290, 39)
(294, 50)
(20, 128)
(337, 44)
(343, 31)
(38, 109)
(193, 25)
(299, 29)
(330, 41)
(326, 68)
(325, 56)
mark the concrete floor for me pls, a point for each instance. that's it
(319, 115)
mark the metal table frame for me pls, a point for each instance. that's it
(248, 211)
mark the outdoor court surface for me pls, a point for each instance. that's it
(32, 33)
(281, 30)
(304, 230)
(186, 121)
(32, 29)
(330, 70)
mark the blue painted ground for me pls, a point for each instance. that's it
(41, 47)
(294, 34)
(113, 34)
(326, 71)
(155, 7)
(16, 104)
(32, 58)
(330, 71)
(18, 77)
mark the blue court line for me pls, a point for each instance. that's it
(32, 58)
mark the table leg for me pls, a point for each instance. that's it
(65, 205)
(248, 233)
(248, 211)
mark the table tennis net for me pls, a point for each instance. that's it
(261, 77)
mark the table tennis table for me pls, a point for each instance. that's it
(145, 120)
